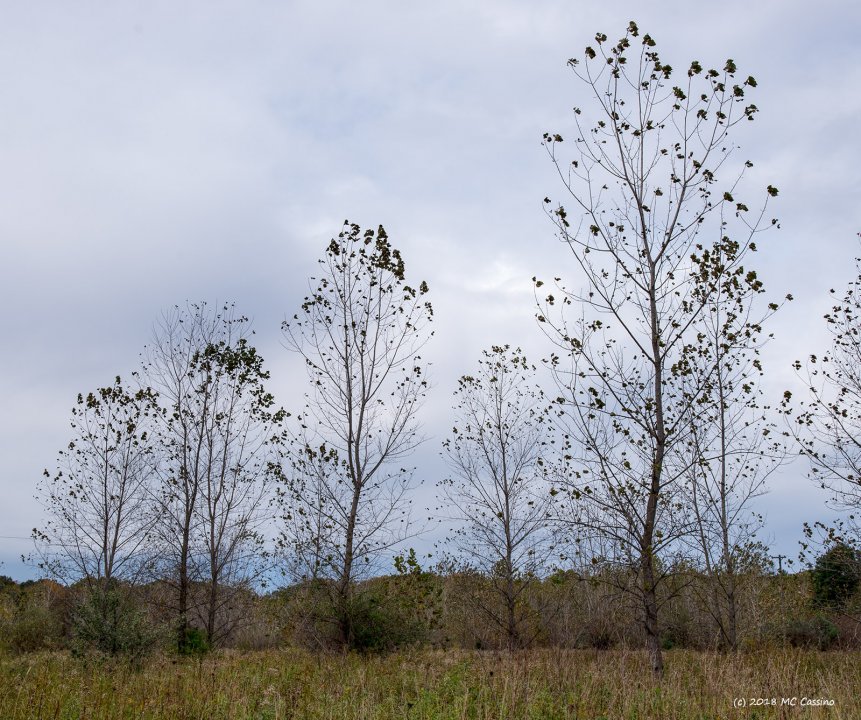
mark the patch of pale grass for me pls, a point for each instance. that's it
(433, 684)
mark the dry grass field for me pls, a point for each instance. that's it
(614, 685)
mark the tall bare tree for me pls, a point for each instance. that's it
(498, 492)
(217, 435)
(733, 446)
(360, 332)
(827, 424)
(641, 189)
(97, 500)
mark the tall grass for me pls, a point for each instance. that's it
(431, 684)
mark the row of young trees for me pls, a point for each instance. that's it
(648, 451)
(168, 476)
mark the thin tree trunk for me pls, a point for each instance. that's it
(182, 625)
(182, 610)
(732, 622)
(650, 601)
(211, 611)
(511, 607)
(345, 584)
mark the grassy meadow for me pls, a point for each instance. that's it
(429, 684)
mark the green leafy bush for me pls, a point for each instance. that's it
(817, 632)
(835, 576)
(107, 621)
(194, 642)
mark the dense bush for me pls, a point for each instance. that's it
(108, 621)
(194, 643)
(373, 621)
(33, 616)
(34, 627)
(836, 576)
(378, 625)
(816, 632)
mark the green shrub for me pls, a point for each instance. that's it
(107, 621)
(835, 576)
(194, 642)
(379, 623)
(817, 632)
(34, 627)
(33, 616)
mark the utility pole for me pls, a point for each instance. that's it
(780, 559)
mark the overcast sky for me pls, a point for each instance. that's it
(158, 152)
